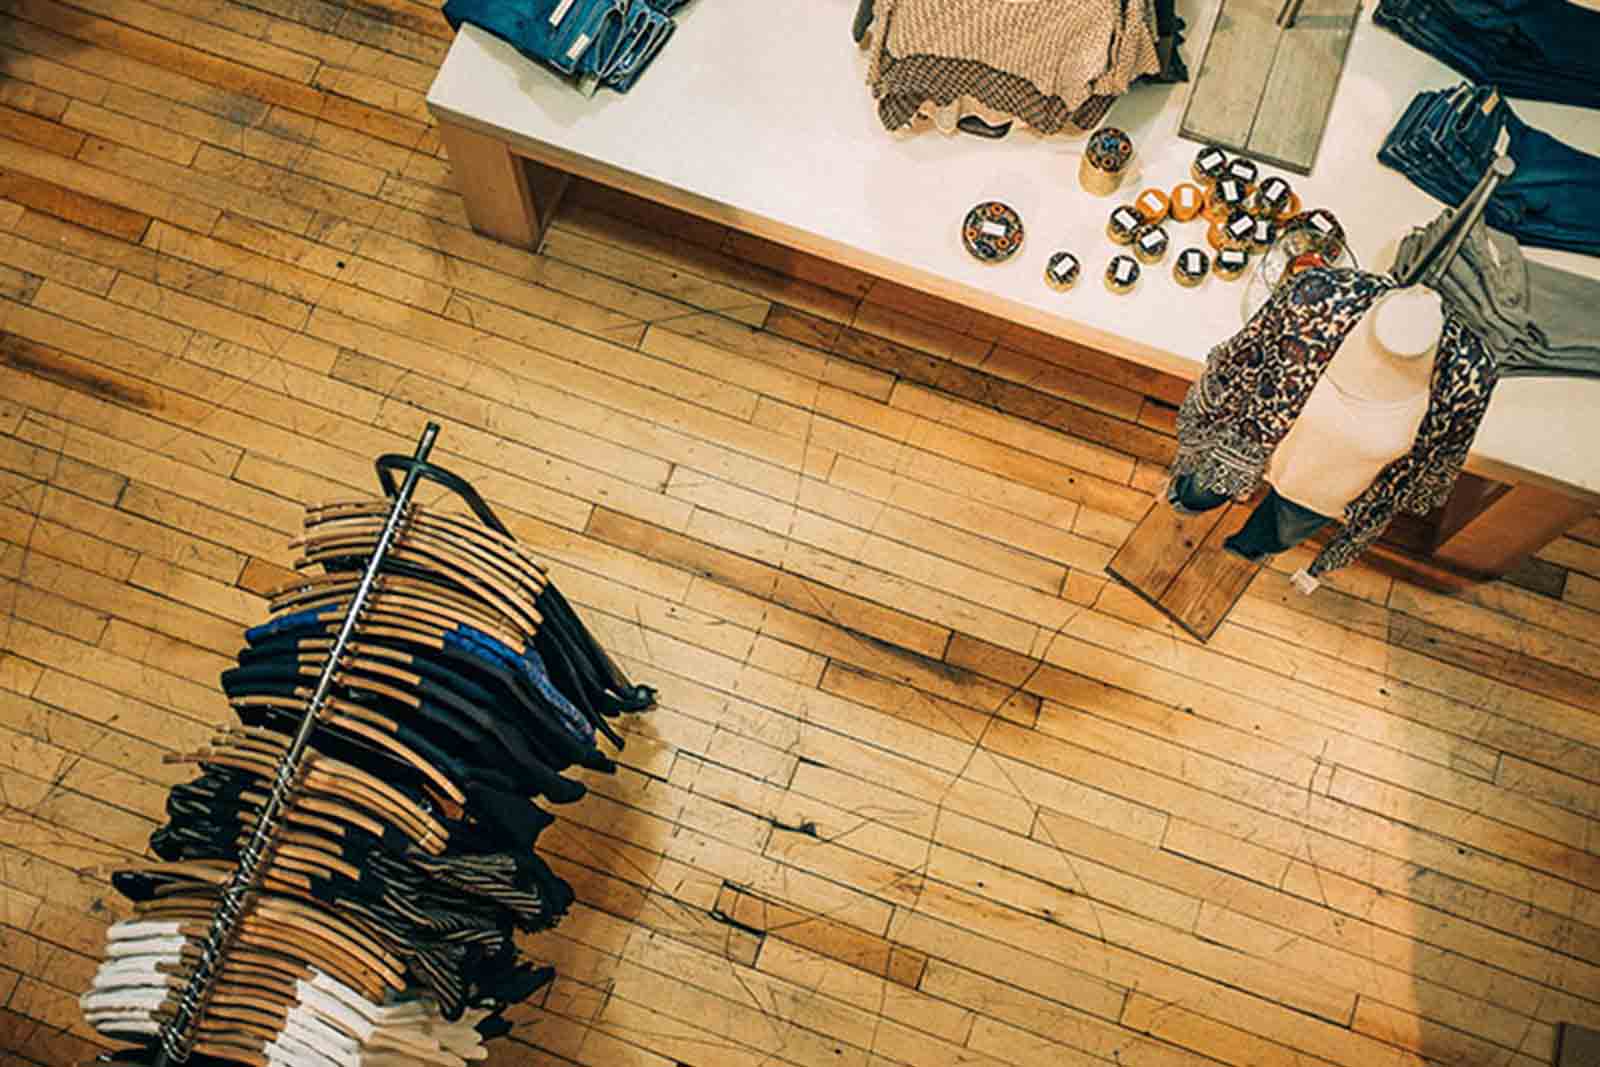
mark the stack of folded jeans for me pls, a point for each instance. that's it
(1446, 140)
(1534, 319)
(1534, 49)
(602, 42)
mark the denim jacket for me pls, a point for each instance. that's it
(1256, 383)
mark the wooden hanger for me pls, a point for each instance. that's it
(467, 525)
(466, 550)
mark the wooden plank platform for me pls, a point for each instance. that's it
(926, 787)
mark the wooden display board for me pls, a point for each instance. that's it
(1178, 564)
(1265, 89)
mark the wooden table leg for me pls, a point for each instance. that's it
(508, 198)
(1511, 528)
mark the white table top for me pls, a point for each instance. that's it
(757, 115)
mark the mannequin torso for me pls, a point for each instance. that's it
(1389, 356)
(1365, 410)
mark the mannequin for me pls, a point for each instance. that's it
(1365, 410)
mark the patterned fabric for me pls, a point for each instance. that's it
(1256, 383)
(1053, 64)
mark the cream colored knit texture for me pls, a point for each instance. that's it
(1071, 49)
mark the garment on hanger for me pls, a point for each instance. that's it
(1535, 319)
(1445, 141)
(383, 925)
(1256, 384)
(612, 42)
(1542, 50)
(1055, 65)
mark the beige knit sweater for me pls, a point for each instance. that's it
(1053, 64)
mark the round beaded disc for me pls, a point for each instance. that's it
(992, 232)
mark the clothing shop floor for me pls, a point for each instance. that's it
(923, 788)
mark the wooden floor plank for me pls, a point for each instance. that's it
(922, 788)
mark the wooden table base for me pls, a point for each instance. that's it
(1178, 564)
(508, 197)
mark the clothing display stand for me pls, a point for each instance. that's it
(1177, 562)
(345, 881)
(177, 1037)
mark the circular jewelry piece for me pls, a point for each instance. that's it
(1231, 263)
(1105, 158)
(1191, 267)
(1262, 233)
(1271, 198)
(1209, 165)
(1153, 205)
(1122, 273)
(1062, 271)
(1186, 201)
(1150, 244)
(1124, 222)
(992, 232)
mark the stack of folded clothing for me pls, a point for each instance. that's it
(599, 42)
(1446, 140)
(1543, 50)
(1535, 319)
(384, 923)
(324, 1022)
(1054, 65)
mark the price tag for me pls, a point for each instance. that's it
(1211, 158)
(1124, 271)
(1152, 241)
(1063, 268)
(1152, 201)
(1241, 226)
(992, 229)
(560, 12)
(578, 46)
(1192, 262)
(1231, 193)
(1232, 257)
(1123, 217)
(1322, 222)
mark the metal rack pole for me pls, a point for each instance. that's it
(177, 1036)
(1433, 263)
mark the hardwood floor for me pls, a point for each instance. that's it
(923, 788)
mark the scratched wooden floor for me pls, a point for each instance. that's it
(923, 787)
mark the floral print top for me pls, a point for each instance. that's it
(1256, 383)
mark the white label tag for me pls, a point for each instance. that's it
(1210, 158)
(1240, 226)
(1321, 222)
(1151, 200)
(1232, 257)
(578, 46)
(1150, 241)
(1062, 270)
(1186, 198)
(1231, 190)
(1124, 271)
(1191, 262)
(560, 12)
(992, 229)
(1124, 217)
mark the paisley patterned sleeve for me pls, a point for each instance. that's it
(1217, 400)
(1422, 479)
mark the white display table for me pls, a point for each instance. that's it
(757, 116)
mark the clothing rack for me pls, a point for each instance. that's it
(1433, 262)
(177, 1037)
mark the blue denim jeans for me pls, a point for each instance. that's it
(1445, 141)
(612, 41)
(1537, 49)
(1276, 525)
